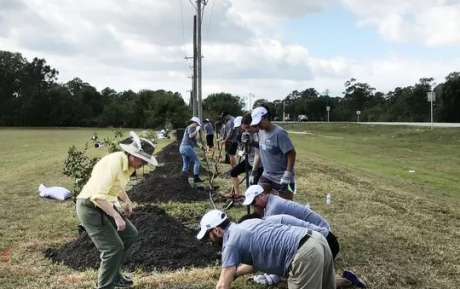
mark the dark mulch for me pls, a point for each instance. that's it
(163, 244)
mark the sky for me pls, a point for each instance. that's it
(267, 48)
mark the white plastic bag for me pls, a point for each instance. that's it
(57, 193)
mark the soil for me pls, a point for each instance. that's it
(166, 183)
(164, 243)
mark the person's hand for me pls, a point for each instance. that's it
(121, 224)
(128, 209)
(287, 178)
(198, 128)
(252, 177)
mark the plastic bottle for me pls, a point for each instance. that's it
(328, 199)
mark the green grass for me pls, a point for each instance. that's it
(397, 229)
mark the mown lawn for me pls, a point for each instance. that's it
(396, 228)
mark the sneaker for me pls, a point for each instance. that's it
(355, 280)
(197, 180)
(123, 282)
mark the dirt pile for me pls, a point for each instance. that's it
(164, 243)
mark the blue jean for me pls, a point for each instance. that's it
(189, 154)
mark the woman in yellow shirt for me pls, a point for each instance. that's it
(97, 208)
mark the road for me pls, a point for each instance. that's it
(428, 124)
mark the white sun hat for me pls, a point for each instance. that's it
(257, 115)
(237, 121)
(251, 193)
(196, 119)
(140, 148)
(211, 220)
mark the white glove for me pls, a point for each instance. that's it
(287, 178)
(252, 177)
(198, 128)
(266, 279)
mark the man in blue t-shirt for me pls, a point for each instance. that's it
(271, 205)
(298, 254)
(277, 153)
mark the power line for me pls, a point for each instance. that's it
(210, 17)
(183, 34)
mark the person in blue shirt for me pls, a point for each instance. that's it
(271, 205)
(301, 255)
(187, 151)
(347, 279)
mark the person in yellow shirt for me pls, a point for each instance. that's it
(98, 208)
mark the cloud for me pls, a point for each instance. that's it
(431, 22)
(137, 44)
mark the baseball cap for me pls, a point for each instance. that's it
(211, 220)
(257, 115)
(251, 193)
(237, 121)
(196, 119)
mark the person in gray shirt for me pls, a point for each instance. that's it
(252, 134)
(187, 151)
(272, 205)
(230, 138)
(209, 134)
(277, 154)
(296, 253)
(347, 279)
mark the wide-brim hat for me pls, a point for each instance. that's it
(140, 148)
(196, 119)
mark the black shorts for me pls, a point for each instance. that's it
(281, 189)
(333, 244)
(210, 140)
(241, 168)
(232, 148)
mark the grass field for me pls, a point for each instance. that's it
(397, 229)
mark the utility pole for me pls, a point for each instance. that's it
(198, 58)
(193, 103)
(250, 96)
(195, 79)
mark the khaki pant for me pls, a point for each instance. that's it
(114, 246)
(312, 266)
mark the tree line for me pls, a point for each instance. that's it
(31, 95)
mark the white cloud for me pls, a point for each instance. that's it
(134, 44)
(432, 22)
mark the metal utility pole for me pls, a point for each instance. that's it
(284, 110)
(193, 97)
(198, 58)
(195, 79)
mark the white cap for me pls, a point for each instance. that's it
(196, 119)
(211, 220)
(257, 115)
(237, 121)
(251, 193)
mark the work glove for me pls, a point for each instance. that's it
(266, 279)
(287, 178)
(252, 177)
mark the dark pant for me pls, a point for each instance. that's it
(114, 246)
(333, 244)
(241, 168)
(210, 140)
